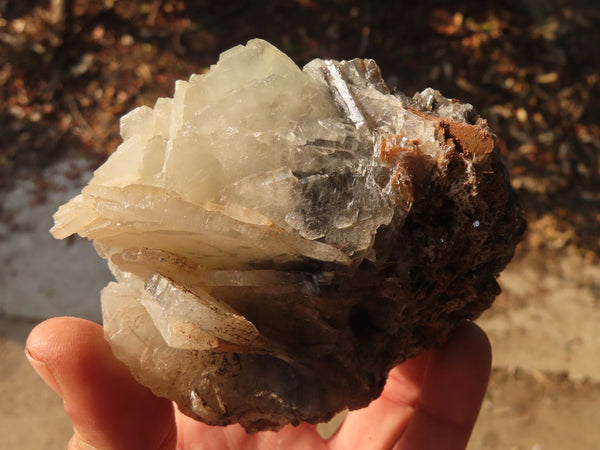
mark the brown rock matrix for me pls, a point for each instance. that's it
(281, 237)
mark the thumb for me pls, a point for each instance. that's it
(108, 408)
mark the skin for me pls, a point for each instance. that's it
(429, 402)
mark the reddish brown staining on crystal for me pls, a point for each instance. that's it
(398, 151)
(410, 166)
(473, 141)
(391, 146)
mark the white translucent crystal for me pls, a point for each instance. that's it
(254, 164)
(194, 320)
(228, 210)
(263, 138)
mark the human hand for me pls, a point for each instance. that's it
(429, 402)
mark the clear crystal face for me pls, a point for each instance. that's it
(274, 231)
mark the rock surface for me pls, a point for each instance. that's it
(282, 237)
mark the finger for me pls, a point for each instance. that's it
(108, 408)
(452, 392)
(381, 423)
(199, 436)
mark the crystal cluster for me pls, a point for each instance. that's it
(282, 237)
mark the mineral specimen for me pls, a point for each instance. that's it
(282, 237)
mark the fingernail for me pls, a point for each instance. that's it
(44, 372)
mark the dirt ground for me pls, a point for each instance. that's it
(544, 391)
(531, 68)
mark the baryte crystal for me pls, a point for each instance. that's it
(282, 237)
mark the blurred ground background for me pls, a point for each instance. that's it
(70, 68)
